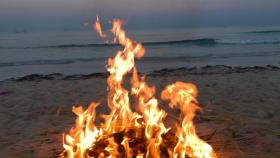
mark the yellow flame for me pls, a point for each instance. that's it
(121, 115)
(153, 116)
(125, 143)
(83, 135)
(184, 95)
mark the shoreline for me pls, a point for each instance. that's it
(204, 70)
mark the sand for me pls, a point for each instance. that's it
(240, 118)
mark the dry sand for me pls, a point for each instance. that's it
(240, 119)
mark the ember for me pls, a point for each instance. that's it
(125, 133)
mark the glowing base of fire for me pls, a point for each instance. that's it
(136, 141)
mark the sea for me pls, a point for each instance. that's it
(83, 52)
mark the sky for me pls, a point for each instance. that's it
(39, 15)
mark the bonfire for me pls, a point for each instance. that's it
(125, 133)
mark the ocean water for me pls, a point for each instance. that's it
(84, 52)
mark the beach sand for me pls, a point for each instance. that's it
(240, 118)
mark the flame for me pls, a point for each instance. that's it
(121, 115)
(84, 134)
(184, 95)
(98, 28)
(149, 117)
(153, 116)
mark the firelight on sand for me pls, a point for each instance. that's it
(125, 133)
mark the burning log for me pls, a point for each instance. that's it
(138, 144)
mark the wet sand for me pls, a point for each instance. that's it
(240, 117)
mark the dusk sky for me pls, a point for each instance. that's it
(70, 14)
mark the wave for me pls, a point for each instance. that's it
(144, 59)
(50, 62)
(81, 45)
(247, 42)
(265, 32)
(203, 41)
(197, 42)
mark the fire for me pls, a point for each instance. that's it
(147, 125)
(98, 28)
(82, 136)
(184, 95)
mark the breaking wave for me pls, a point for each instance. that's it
(145, 59)
(196, 42)
(265, 32)
(204, 41)
(247, 42)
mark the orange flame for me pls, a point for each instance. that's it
(122, 118)
(84, 134)
(98, 28)
(121, 115)
(153, 116)
(184, 95)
